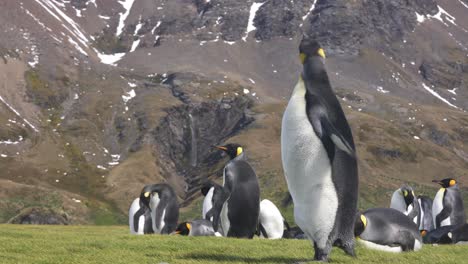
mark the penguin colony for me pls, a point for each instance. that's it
(320, 167)
(231, 210)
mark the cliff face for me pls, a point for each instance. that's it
(99, 98)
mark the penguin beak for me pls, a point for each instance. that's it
(436, 181)
(221, 148)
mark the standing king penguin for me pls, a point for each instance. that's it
(319, 160)
(426, 222)
(447, 207)
(239, 204)
(162, 201)
(139, 218)
(212, 191)
(406, 202)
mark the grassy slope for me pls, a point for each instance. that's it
(93, 244)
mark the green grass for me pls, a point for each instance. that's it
(114, 244)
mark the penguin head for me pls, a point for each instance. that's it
(408, 194)
(446, 183)
(147, 193)
(423, 232)
(312, 56)
(206, 188)
(183, 229)
(310, 48)
(232, 149)
(360, 224)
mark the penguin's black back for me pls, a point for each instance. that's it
(439, 235)
(453, 198)
(169, 205)
(244, 202)
(387, 226)
(460, 234)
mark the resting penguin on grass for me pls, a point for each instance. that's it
(438, 236)
(405, 201)
(139, 218)
(162, 201)
(450, 234)
(447, 207)
(271, 222)
(199, 227)
(387, 229)
(425, 205)
(319, 160)
(239, 205)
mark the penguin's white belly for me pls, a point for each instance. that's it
(208, 203)
(422, 213)
(398, 202)
(271, 219)
(307, 171)
(225, 224)
(372, 245)
(437, 207)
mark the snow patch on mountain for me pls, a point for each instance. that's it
(128, 96)
(127, 5)
(69, 24)
(434, 93)
(461, 2)
(312, 7)
(110, 59)
(18, 114)
(253, 12)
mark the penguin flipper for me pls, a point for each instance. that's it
(136, 218)
(329, 130)
(414, 212)
(325, 130)
(443, 214)
(215, 211)
(262, 231)
(286, 224)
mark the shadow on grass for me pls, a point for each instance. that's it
(245, 259)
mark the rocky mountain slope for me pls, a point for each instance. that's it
(99, 98)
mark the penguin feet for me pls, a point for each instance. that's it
(321, 254)
(349, 249)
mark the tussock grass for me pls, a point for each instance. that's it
(114, 244)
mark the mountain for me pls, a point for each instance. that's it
(99, 98)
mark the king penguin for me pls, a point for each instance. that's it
(212, 191)
(319, 160)
(271, 222)
(406, 202)
(438, 236)
(162, 201)
(447, 207)
(139, 218)
(426, 222)
(239, 205)
(387, 229)
(198, 227)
